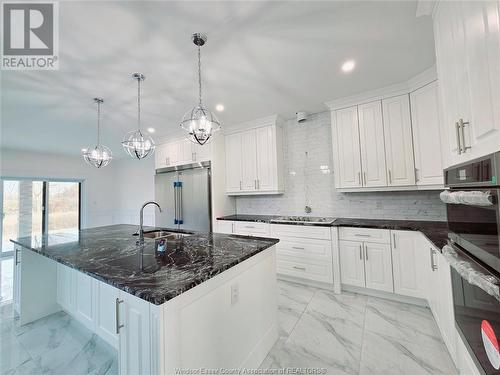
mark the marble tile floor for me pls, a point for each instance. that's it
(55, 345)
(355, 334)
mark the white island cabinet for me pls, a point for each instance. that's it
(199, 328)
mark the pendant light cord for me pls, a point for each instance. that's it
(139, 104)
(199, 76)
(98, 123)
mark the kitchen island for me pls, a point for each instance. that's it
(204, 300)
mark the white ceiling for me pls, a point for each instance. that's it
(261, 58)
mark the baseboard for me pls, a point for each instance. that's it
(385, 295)
(261, 349)
(316, 284)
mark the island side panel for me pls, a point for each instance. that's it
(38, 287)
(229, 321)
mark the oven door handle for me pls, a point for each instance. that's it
(469, 198)
(471, 271)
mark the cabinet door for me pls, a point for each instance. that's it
(17, 280)
(378, 267)
(186, 152)
(161, 156)
(105, 315)
(202, 152)
(84, 304)
(352, 268)
(425, 119)
(171, 153)
(398, 141)
(233, 162)
(267, 174)
(225, 226)
(371, 134)
(408, 264)
(66, 288)
(481, 22)
(346, 138)
(134, 337)
(248, 161)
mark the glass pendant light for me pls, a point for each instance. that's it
(136, 144)
(199, 122)
(99, 155)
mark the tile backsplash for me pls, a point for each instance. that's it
(309, 181)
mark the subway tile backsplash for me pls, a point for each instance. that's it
(309, 181)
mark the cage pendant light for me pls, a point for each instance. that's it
(99, 155)
(136, 144)
(199, 123)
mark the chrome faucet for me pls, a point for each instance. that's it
(141, 221)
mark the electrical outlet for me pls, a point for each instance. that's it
(235, 294)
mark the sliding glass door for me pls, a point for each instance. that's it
(31, 208)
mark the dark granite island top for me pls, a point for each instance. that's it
(110, 254)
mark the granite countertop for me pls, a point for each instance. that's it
(110, 254)
(435, 231)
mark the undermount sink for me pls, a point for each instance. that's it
(303, 219)
(156, 234)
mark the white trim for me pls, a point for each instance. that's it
(390, 188)
(387, 295)
(427, 76)
(257, 123)
(271, 192)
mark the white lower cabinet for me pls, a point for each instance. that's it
(378, 267)
(352, 263)
(225, 226)
(134, 338)
(120, 318)
(16, 298)
(409, 264)
(246, 228)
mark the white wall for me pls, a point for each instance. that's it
(110, 195)
(309, 180)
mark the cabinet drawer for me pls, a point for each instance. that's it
(365, 234)
(251, 229)
(316, 271)
(302, 231)
(305, 248)
(225, 226)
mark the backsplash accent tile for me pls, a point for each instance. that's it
(309, 181)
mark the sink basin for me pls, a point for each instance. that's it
(155, 234)
(304, 219)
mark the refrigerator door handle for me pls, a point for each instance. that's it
(176, 221)
(180, 221)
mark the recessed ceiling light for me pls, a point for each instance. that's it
(151, 130)
(219, 107)
(348, 66)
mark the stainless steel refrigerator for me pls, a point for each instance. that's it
(184, 195)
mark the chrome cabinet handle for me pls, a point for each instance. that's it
(366, 253)
(394, 240)
(390, 177)
(117, 315)
(299, 268)
(193, 156)
(167, 161)
(362, 235)
(258, 184)
(364, 175)
(249, 227)
(359, 179)
(360, 252)
(255, 184)
(297, 248)
(462, 124)
(416, 175)
(459, 146)
(16, 257)
(433, 265)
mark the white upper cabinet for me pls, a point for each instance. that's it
(425, 118)
(398, 141)
(467, 37)
(371, 134)
(345, 135)
(379, 144)
(233, 163)
(254, 158)
(181, 152)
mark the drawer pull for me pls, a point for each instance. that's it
(299, 268)
(249, 227)
(297, 248)
(362, 235)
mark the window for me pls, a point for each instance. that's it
(31, 208)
